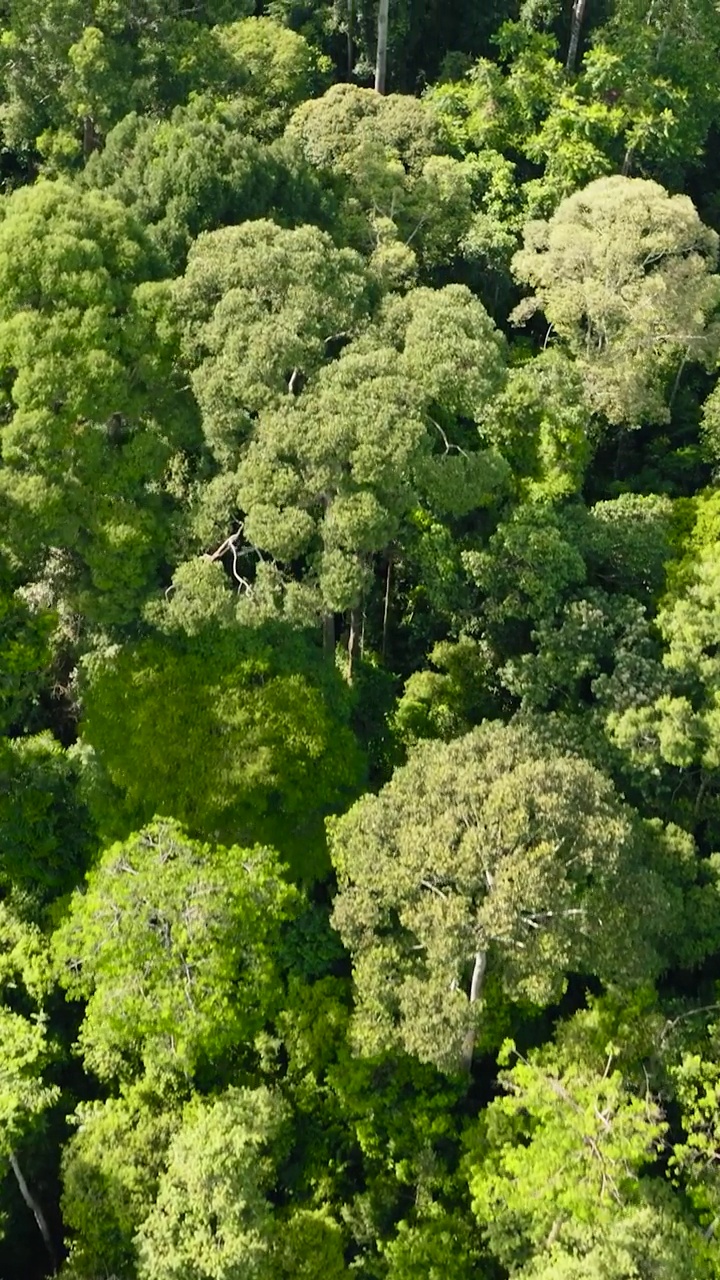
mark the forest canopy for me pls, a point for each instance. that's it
(359, 640)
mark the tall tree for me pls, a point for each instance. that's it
(491, 855)
(328, 480)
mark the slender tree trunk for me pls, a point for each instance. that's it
(350, 45)
(382, 36)
(91, 141)
(354, 638)
(35, 1209)
(386, 605)
(476, 986)
(676, 383)
(328, 623)
(578, 15)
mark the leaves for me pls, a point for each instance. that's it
(487, 851)
(172, 947)
(622, 271)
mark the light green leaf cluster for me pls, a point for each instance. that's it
(173, 946)
(623, 273)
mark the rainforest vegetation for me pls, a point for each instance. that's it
(359, 640)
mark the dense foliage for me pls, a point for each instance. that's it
(359, 640)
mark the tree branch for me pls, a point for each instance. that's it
(35, 1209)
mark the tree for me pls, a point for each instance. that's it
(328, 479)
(654, 1235)
(24, 652)
(334, 127)
(173, 946)
(541, 424)
(200, 170)
(70, 71)
(673, 727)
(275, 69)
(623, 273)
(658, 63)
(93, 412)
(111, 1165)
(403, 199)
(593, 650)
(25, 1051)
(561, 1149)
(442, 1244)
(529, 566)
(446, 702)
(212, 1219)
(558, 1172)
(490, 855)
(258, 306)
(46, 834)
(239, 732)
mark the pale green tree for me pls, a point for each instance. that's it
(400, 191)
(492, 855)
(623, 272)
(110, 1169)
(214, 1219)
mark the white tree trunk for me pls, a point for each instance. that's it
(578, 14)
(354, 640)
(382, 37)
(476, 986)
(350, 46)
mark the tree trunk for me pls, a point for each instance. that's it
(91, 141)
(354, 638)
(382, 36)
(329, 636)
(386, 605)
(476, 986)
(35, 1209)
(350, 48)
(578, 14)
